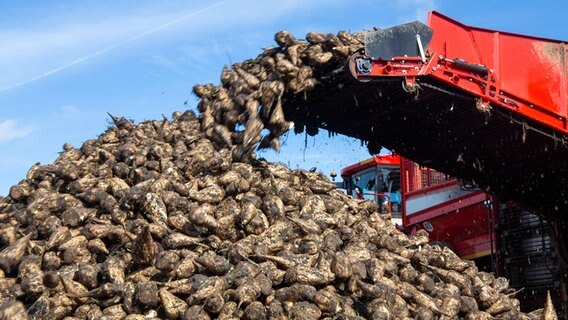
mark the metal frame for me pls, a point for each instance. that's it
(524, 74)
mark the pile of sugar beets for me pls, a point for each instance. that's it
(178, 219)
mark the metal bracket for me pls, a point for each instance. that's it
(421, 48)
(364, 65)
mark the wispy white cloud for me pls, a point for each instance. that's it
(10, 130)
(112, 46)
(30, 52)
(237, 29)
(420, 9)
(36, 53)
(69, 109)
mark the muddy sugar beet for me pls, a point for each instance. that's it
(177, 219)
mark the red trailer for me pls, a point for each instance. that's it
(422, 198)
(501, 238)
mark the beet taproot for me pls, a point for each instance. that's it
(178, 219)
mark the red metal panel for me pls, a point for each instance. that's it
(475, 247)
(529, 71)
(466, 229)
(461, 222)
(525, 74)
(416, 180)
(447, 207)
(391, 159)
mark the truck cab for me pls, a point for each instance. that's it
(377, 179)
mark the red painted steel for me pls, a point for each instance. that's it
(423, 179)
(475, 247)
(525, 74)
(389, 159)
(461, 223)
(465, 229)
(444, 208)
(530, 74)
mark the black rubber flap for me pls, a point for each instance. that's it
(398, 41)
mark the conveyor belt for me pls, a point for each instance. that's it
(512, 158)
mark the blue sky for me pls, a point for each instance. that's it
(65, 64)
